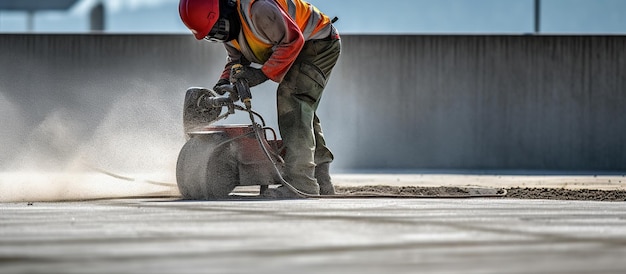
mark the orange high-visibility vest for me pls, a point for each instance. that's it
(308, 18)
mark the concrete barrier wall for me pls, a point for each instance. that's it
(394, 102)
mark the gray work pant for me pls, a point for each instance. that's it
(298, 97)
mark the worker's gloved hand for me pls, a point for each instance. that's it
(254, 76)
(222, 86)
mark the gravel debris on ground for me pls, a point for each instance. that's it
(513, 193)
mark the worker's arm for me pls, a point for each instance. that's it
(277, 27)
(234, 57)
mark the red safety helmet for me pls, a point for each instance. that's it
(199, 15)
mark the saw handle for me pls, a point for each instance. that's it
(241, 86)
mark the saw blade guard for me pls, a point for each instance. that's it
(197, 115)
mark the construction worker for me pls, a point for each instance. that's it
(296, 46)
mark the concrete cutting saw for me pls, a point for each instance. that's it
(217, 158)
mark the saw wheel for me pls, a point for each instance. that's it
(207, 168)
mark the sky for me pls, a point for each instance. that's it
(360, 17)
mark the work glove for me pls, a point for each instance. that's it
(254, 76)
(222, 86)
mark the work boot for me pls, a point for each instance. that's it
(281, 192)
(322, 174)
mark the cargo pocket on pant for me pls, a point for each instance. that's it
(310, 83)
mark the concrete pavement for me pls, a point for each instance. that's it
(314, 236)
(306, 236)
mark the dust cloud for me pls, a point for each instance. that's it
(131, 152)
(11, 126)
